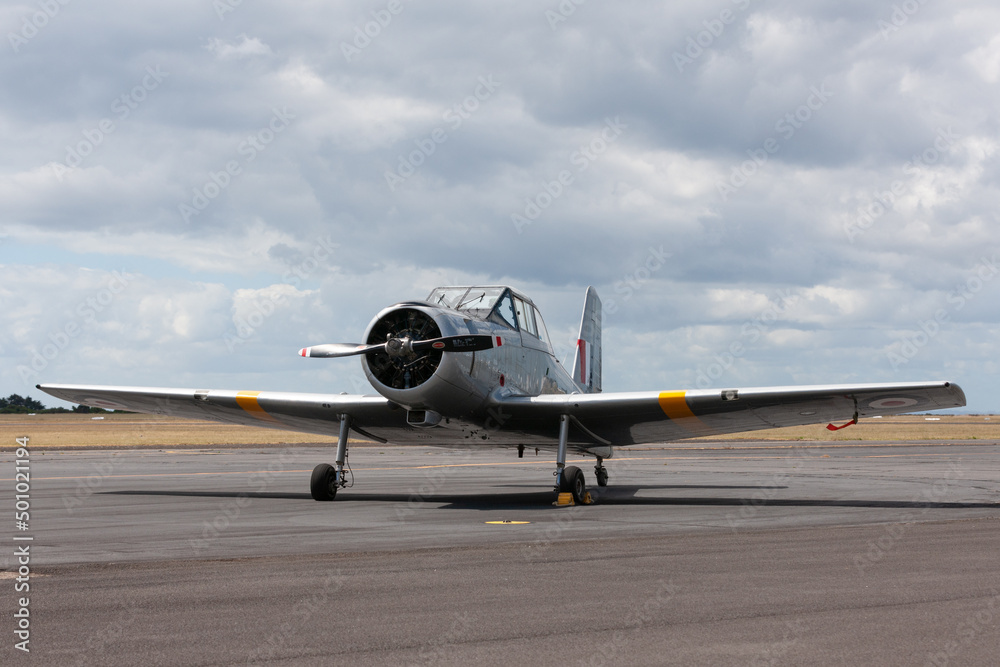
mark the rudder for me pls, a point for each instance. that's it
(587, 363)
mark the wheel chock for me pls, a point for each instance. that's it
(564, 500)
(587, 499)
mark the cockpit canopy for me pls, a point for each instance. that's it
(497, 304)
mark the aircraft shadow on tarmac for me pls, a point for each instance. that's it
(536, 498)
(625, 495)
(212, 494)
(619, 495)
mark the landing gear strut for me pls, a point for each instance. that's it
(568, 479)
(601, 472)
(325, 478)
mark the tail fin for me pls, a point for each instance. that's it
(587, 366)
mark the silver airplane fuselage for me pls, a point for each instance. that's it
(468, 386)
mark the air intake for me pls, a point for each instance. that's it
(401, 367)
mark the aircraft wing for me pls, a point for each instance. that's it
(311, 413)
(650, 417)
(597, 420)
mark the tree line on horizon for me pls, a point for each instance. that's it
(17, 404)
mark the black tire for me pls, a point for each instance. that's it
(323, 483)
(602, 477)
(574, 482)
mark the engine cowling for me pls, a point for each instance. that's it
(429, 379)
(398, 367)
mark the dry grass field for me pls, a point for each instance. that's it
(901, 428)
(132, 430)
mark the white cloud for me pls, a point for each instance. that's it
(247, 47)
(782, 232)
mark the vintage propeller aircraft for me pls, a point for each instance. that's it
(473, 367)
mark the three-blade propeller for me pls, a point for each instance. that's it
(403, 347)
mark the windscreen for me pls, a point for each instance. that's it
(477, 301)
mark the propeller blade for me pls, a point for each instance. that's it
(470, 343)
(403, 347)
(338, 350)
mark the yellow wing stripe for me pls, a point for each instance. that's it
(675, 406)
(248, 401)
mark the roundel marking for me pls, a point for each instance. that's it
(893, 402)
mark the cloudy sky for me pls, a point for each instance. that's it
(763, 193)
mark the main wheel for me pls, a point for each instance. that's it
(573, 482)
(323, 484)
